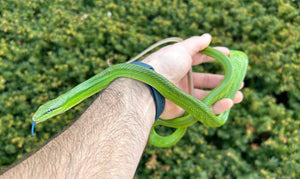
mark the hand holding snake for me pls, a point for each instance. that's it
(172, 64)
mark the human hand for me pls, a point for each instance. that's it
(174, 62)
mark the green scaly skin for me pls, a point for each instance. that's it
(196, 110)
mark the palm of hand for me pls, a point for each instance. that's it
(174, 62)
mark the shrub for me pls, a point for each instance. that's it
(47, 47)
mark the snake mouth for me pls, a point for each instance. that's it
(35, 118)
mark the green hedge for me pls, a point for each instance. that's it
(47, 47)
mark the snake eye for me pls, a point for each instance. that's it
(49, 110)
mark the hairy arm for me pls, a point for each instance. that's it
(106, 141)
(109, 138)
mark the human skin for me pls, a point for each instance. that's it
(108, 140)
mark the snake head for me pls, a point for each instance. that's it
(49, 109)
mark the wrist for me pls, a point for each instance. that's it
(126, 102)
(157, 97)
(135, 97)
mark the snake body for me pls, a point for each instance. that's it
(235, 67)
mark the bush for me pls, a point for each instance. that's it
(47, 47)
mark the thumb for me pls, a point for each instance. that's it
(196, 43)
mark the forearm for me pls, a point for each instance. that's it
(107, 140)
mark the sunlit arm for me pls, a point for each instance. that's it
(106, 141)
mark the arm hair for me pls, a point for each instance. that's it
(107, 141)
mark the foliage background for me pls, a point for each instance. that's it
(47, 47)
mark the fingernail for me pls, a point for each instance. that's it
(242, 85)
(227, 51)
(206, 35)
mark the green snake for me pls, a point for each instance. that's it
(235, 67)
